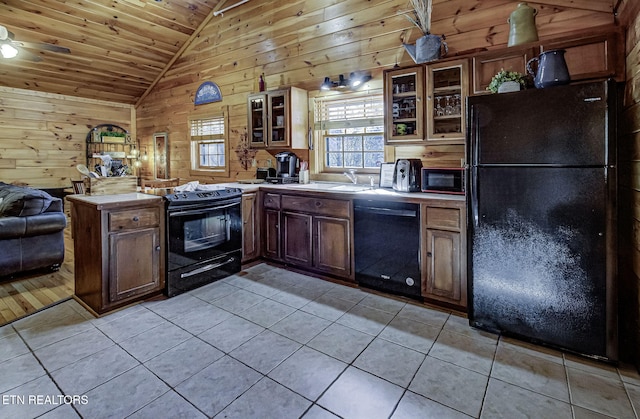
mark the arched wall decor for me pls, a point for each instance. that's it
(208, 92)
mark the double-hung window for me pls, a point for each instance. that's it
(351, 132)
(209, 145)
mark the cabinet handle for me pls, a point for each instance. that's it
(429, 254)
(136, 218)
(157, 247)
(318, 203)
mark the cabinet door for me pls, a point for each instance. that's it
(487, 65)
(250, 227)
(134, 263)
(590, 57)
(257, 114)
(278, 119)
(447, 88)
(332, 245)
(271, 233)
(296, 238)
(443, 262)
(404, 106)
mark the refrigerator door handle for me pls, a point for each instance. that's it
(473, 191)
(475, 135)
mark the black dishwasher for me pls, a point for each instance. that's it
(387, 246)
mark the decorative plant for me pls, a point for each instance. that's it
(113, 134)
(420, 15)
(504, 76)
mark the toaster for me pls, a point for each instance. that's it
(406, 175)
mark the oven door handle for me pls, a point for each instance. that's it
(199, 211)
(206, 268)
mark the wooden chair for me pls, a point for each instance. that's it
(159, 183)
(78, 186)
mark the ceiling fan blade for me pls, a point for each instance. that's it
(23, 53)
(44, 46)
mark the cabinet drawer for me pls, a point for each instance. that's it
(448, 218)
(135, 218)
(271, 200)
(323, 206)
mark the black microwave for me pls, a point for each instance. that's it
(443, 180)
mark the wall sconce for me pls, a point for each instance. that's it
(355, 81)
(144, 156)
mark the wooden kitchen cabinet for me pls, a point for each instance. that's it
(590, 57)
(444, 276)
(487, 65)
(296, 238)
(332, 245)
(321, 226)
(271, 225)
(118, 248)
(440, 119)
(447, 89)
(250, 227)
(314, 233)
(278, 119)
(404, 105)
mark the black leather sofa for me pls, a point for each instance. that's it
(32, 226)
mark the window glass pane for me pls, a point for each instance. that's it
(353, 160)
(336, 131)
(373, 159)
(352, 143)
(334, 143)
(372, 142)
(334, 160)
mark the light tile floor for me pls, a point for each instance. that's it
(270, 343)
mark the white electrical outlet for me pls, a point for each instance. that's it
(269, 162)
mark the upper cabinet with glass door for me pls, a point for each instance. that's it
(404, 108)
(258, 120)
(278, 118)
(447, 88)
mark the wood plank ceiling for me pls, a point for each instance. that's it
(119, 48)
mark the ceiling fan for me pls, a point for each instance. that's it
(9, 48)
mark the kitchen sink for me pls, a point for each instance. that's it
(350, 188)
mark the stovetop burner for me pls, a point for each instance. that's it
(179, 198)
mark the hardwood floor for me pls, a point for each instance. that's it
(25, 294)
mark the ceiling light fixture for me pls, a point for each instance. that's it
(8, 51)
(355, 81)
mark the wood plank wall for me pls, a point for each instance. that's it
(300, 42)
(42, 135)
(629, 189)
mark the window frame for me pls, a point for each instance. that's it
(196, 140)
(322, 128)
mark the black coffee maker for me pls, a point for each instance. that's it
(286, 165)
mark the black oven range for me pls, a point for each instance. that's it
(204, 237)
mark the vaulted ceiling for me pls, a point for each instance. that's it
(119, 48)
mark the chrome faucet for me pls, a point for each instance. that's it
(352, 176)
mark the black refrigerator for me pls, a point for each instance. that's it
(541, 221)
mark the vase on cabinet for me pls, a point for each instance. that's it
(552, 69)
(427, 48)
(522, 25)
